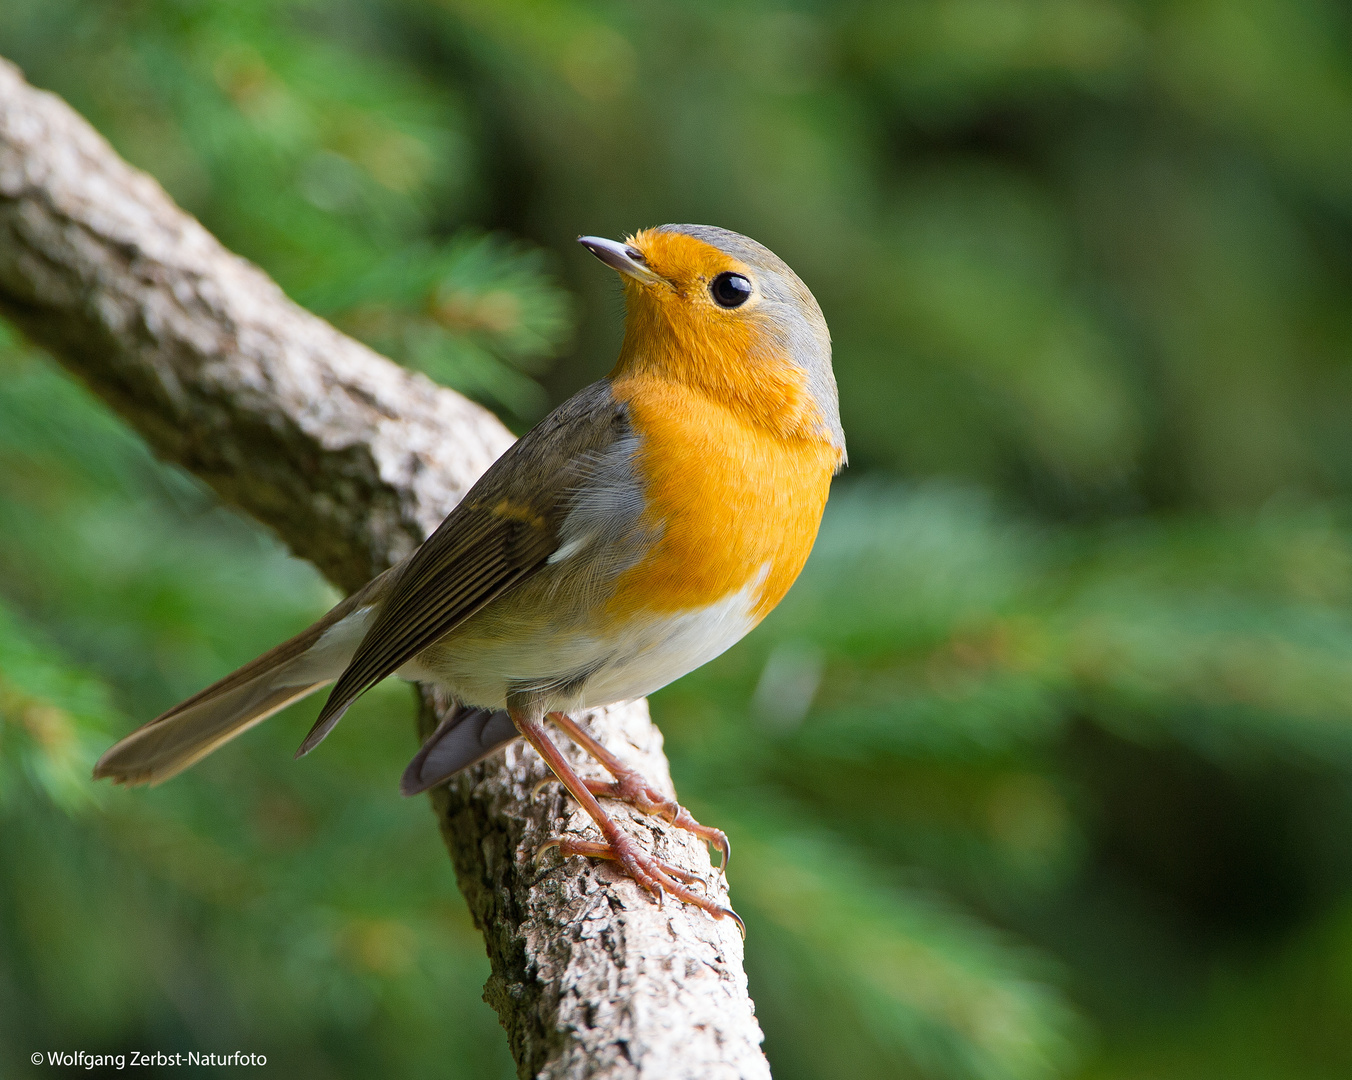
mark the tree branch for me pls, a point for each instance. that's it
(352, 460)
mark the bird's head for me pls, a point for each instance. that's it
(724, 315)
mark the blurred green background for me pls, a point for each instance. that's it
(1043, 770)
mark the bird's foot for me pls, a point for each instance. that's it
(590, 849)
(632, 787)
(651, 873)
(654, 875)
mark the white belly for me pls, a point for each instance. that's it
(577, 669)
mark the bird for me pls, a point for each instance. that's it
(640, 529)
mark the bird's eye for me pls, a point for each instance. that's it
(730, 290)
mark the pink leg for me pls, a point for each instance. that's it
(652, 874)
(630, 786)
(592, 850)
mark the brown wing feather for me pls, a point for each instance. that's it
(503, 531)
(192, 729)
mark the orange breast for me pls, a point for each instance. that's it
(729, 497)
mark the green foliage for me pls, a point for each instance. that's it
(458, 315)
(1043, 769)
(54, 720)
(307, 913)
(950, 700)
(345, 172)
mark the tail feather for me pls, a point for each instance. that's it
(464, 736)
(189, 731)
(170, 743)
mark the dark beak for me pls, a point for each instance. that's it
(628, 261)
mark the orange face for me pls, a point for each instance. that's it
(676, 330)
(733, 451)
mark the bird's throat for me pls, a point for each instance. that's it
(734, 365)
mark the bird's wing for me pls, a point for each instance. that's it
(501, 533)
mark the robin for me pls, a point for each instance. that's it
(639, 530)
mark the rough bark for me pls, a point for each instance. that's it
(352, 460)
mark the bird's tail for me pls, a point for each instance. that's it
(188, 732)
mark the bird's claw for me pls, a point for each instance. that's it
(631, 788)
(539, 855)
(653, 875)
